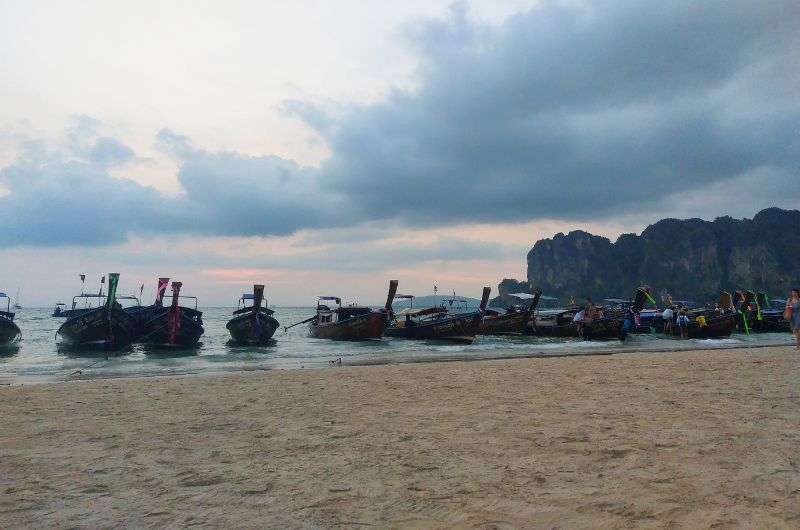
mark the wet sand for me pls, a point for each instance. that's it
(657, 440)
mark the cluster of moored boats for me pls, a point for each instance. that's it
(745, 311)
(109, 326)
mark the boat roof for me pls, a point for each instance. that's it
(524, 296)
(247, 296)
(452, 299)
(545, 312)
(328, 298)
(404, 296)
(3, 295)
(421, 312)
(96, 295)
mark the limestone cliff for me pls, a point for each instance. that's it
(688, 258)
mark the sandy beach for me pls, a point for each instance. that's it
(670, 440)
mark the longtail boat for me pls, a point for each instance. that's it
(144, 314)
(772, 320)
(556, 323)
(85, 302)
(756, 314)
(108, 327)
(351, 322)
(716, 326)
(9, 331)
(438, 323)
(635, 319)
(706, 323)
(561, 323)
(252, 324)
(606, 328)
(515, 319)
(174, 326)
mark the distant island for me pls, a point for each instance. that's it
(689, 258)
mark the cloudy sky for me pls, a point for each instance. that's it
(325, 147)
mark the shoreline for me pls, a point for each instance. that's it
(683, 440)
(498, 354)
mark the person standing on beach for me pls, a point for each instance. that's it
(666, 316)
(588, 311)
(683, 323)
(792, 314)
(578, 321)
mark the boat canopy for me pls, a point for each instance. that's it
(421, 312)
(3, 295)
(404, 296)
(332, 298)
(247, 296)
(523, 296)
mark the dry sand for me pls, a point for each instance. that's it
(677, 440)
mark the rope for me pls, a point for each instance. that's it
(79, 370)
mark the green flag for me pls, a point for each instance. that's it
(113, 280)
(744, 319)
(650, 298)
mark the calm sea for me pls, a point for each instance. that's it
(38, 359)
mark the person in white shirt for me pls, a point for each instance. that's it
(666, 316)
(578, 320)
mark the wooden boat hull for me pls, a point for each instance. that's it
(459, 328)
(72, 313)
(507, 324)
(157, 332)
(252, 328)
(9, 331)
(602, 329)
(772, 322)
(142, 314)
(101, 328)
(716, 327)
(360, 327)
(563, 330)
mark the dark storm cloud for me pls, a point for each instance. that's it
(575, 112)
(67, 202)
(564, 111)
(68, 197)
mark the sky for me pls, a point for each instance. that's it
(326, 147)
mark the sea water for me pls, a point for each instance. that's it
(37, 358)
